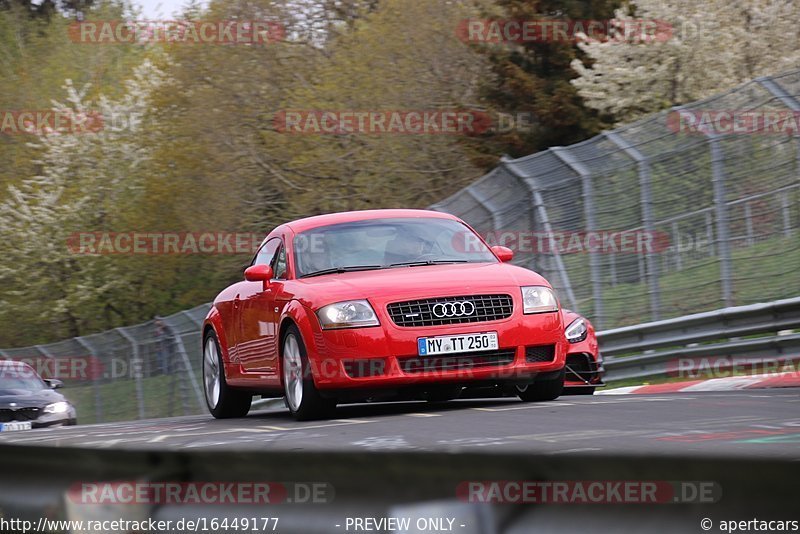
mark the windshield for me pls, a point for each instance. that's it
(387, 243)
(20, 378)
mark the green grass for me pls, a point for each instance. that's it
(161, 396)
(767, 271)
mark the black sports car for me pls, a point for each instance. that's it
(28, 401)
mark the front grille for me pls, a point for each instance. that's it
(421, 312)
(8, 415)
(540, 353)
(425, 364)
(581, 367)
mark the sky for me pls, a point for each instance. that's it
(154, 9)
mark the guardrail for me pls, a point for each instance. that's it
(38, 482)
(742, 333)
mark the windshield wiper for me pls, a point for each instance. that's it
(425, 262)
(348, 269)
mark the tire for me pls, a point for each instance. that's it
(302, 397)
(223, 401)
(542, 390)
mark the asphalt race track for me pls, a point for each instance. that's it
(757, 423)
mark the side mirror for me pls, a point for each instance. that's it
(503, 254)
(53, 383)
(258, 273)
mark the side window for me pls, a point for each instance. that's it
(279, 264)
(267, 252)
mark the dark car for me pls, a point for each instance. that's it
(28, 401)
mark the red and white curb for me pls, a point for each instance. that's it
(728, 383)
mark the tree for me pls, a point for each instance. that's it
(715, 45)
(533, 77)
(89, 178)
(36, 56)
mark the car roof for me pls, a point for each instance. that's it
(13, 364)
(316, 221)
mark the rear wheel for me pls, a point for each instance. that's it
(546, 389)
(222, 400)
(302, 397)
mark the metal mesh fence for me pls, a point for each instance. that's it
(637, 224)
(653, 220)
(137, 372)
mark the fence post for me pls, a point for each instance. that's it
(493, 210)
(676, 238)
(137, 373)
(791, 102)
(710, 232)
(587, 187)
(187, 364)
(721, 209)
(748, 224)
(44, 352)
(541, 211)
(787, 215)
(98, 401)
(646, 198)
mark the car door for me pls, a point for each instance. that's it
(260, 311)
(257, 318)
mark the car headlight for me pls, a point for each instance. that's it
(57, 407)
(538, 299)
(347, 314)
(576, 331)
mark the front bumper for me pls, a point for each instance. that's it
(386, 356)
(584, 369)
(38, 418)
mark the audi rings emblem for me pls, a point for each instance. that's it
(454, 309)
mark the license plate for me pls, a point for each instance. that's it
(13, 427)
(459, 343)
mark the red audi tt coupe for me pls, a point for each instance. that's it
(383, 304)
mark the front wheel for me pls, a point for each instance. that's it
(223, 401)
(302, 397)
(546, 389)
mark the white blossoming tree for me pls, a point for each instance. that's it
(88, 172)
(714, 45)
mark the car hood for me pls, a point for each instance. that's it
(27, 399)
(418, 282)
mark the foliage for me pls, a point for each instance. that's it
(715, 45)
